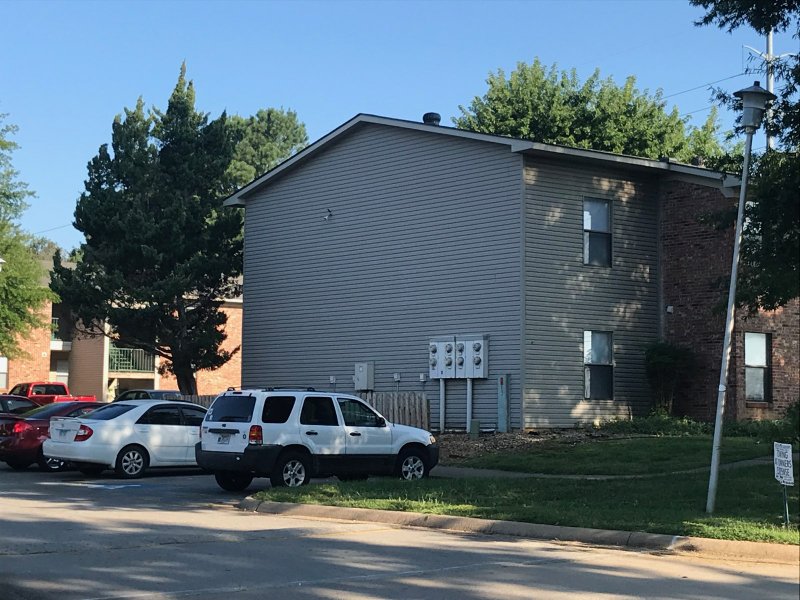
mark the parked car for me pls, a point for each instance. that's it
(149, 395)
(21, 436)
(45, 392)
(129, 437)
(292, 435)
(16, 405)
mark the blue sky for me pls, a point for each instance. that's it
(67, 68)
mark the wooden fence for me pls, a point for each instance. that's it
(202, 400)
(406, 408)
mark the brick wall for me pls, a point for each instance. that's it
(35, 366)
(230, 374)
(695, 258)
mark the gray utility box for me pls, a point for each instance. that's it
(364, 377)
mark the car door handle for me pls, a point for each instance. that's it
(311, 433)
(355, 434)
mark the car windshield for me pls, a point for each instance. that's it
(233, 409)
(110, 411)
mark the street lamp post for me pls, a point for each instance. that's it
(754, 102)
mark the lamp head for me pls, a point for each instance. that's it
(754, 103)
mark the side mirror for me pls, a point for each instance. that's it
(381, 422)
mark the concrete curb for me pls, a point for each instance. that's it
(755, 551)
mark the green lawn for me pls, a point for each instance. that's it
(749, 502)
(633, 456)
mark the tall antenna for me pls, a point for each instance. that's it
(769, 59)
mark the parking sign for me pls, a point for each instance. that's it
(783, 463)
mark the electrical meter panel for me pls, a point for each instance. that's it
(475, 351)
(441, 358)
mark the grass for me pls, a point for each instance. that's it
(633, 456)
(749, 503)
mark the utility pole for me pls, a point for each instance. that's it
(770, 88)
(769, 65)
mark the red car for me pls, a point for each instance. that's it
(21, 436)
(16, 405)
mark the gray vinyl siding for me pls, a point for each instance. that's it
(424, 240)
(564, 297)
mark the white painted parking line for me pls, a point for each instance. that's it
(94, 486)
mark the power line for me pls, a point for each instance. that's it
(699, 87)
(52, 229)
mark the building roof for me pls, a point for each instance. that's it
(694, 174)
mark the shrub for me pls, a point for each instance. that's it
(656, 423)
(667, 365)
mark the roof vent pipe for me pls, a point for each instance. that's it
(431, 118)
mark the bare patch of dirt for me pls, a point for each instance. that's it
(454, 447)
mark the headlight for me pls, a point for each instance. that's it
(432, 440)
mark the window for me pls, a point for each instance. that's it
(232, 409)
(3, 372)
(596, 232)
(757, 377)
(598, 360)
(357, 415)
(111, 411)
(318, 410)
(193, 417)
(277, 409)
(161, 415)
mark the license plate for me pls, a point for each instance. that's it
(224, 439)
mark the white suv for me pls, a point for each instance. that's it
(290, 435)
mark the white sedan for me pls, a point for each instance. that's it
(128, 437)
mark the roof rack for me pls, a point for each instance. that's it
(273, 389)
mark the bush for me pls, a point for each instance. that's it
(786, 429)
(667, 365)
(656, 423)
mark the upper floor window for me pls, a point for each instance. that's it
(757, 377)
(598, 360)
(3, 372)
(596, 232)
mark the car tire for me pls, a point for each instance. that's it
(233, 482)
(412, 465)
(132, 462)
(91, 470)
(17, 465)
(50, 464)
(292, 469)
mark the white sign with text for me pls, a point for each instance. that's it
(784, 472)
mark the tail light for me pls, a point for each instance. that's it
(84, 433)
(256, 435)
(20, 428)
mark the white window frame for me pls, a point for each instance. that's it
(3, 372)
(758, 365)
(593, 362)
(591, 230)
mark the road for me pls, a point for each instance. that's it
(177, 536)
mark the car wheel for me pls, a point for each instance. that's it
(132, 462)
(412, 465)
(291, 470)
(233, 482)
(50, 464)
(18, 466)
(91, 470)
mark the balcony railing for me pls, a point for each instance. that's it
(55, 334)
(130, 360)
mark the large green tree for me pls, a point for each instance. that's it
(262, 141)
(21, 291)
(161, 253)
(770, 273)
(555, 107)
